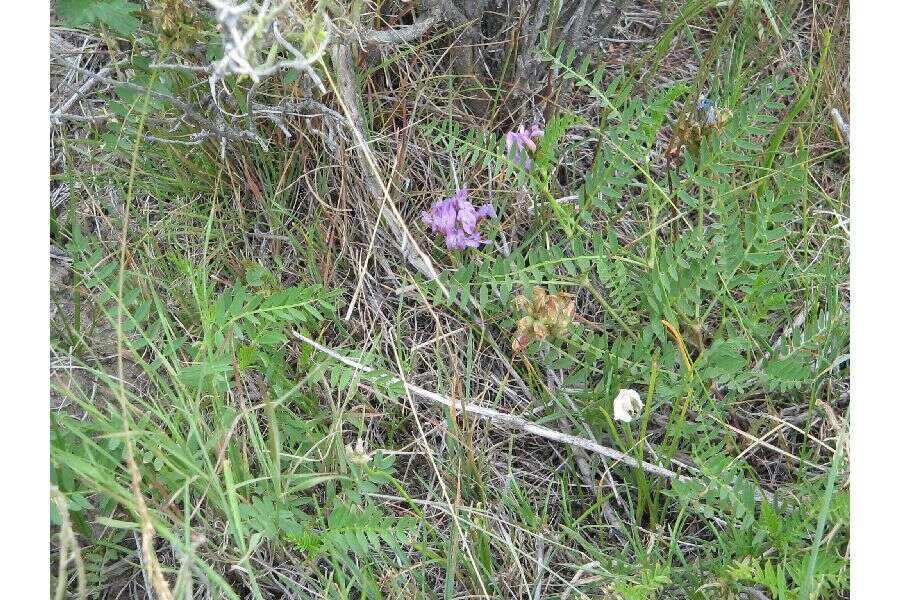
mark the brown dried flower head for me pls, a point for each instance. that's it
(705, 121)
(177, 23)
(546, 316)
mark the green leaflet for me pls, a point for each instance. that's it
(115, 14)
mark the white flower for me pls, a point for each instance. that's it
(357, 455)
(626, 405)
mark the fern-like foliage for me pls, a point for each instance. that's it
(98, 272)
(365, 531)
(243, 324)
(257, 322)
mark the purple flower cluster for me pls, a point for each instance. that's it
(518, 141)
(457, 219)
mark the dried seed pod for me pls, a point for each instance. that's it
(546, 316)
(522, 303)
(521, 342)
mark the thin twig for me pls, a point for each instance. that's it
(84, 89)
(387, 38)
(554, 383)
(581, 571)
(843, 128)
(191, 113)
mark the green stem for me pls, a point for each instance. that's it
(606, 306)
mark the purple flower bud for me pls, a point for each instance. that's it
(461, 195)
(456, 240)
(517, 142)
(460, 240)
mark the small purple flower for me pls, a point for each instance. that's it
(458, 220)
(442, 216)
(460, 240)
(466, 217)
(518, 141)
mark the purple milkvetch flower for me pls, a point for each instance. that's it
(486, 212)
(518, 141)
(458, 220)
(460, 240)
(465, 216)
(442, 216)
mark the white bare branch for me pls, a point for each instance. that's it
(512, 421)
(246, 36)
